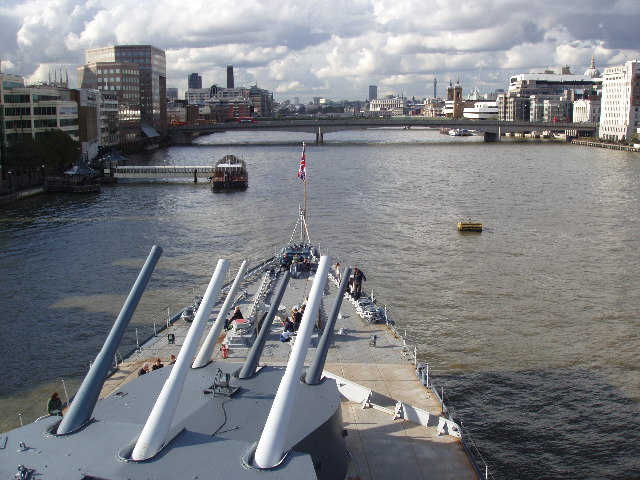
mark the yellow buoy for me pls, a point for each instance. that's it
(470, 226)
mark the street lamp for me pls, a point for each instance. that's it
(9, 174)
(43, 173)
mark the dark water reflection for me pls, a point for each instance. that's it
(519, 321)
(565, 423)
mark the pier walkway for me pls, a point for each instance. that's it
(163, 171)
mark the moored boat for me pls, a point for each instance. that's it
(460, 132)
(230, 173)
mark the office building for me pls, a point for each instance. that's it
(620, 102)
(241, 102)
(32, 110)
(515, 104)
(122, 80)
(197, 96)
(194, 81)
(513, 108)
(172, 94)
(551, 83)
(550, 108)
(152, 81)
(230, 81)
(373, 92)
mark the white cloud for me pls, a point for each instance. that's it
(326, 48)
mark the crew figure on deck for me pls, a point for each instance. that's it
(358, 278)
(237, 314)
(54, 405)
(288, 330)
(158, 364)
(297, 318)
(285, 261)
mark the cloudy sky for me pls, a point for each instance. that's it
(327, 48)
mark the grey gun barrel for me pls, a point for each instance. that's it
(314, 372)
(81, 408)
(250, 365)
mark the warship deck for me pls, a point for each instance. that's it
(381, 445)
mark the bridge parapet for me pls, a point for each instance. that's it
(320, 126)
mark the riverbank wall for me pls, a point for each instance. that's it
(612, 146)
(19, 194)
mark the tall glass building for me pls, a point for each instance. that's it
(194, 81)
(152, 68)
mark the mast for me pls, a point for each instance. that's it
(303, 166)
(302, 174)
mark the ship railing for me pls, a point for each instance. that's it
(33, 411)
(473, 452)
(481, 467)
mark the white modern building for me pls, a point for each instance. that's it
(482, 111)
(551, 83)
(378, 104)
(619, 114)
(35, 109)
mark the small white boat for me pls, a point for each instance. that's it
(460, 132)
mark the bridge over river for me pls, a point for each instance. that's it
(492, 129)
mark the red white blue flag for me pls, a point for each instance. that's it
(302, 172)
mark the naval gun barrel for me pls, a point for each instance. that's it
(314, 372)
(250, 365)
(82, 407)
(204, 355)
(273, 441)
(155, 433)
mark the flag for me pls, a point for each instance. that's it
(302, 172)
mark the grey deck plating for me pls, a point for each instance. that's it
(383, 447)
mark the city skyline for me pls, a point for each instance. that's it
(326, 49)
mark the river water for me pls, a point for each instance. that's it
(531, 327)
